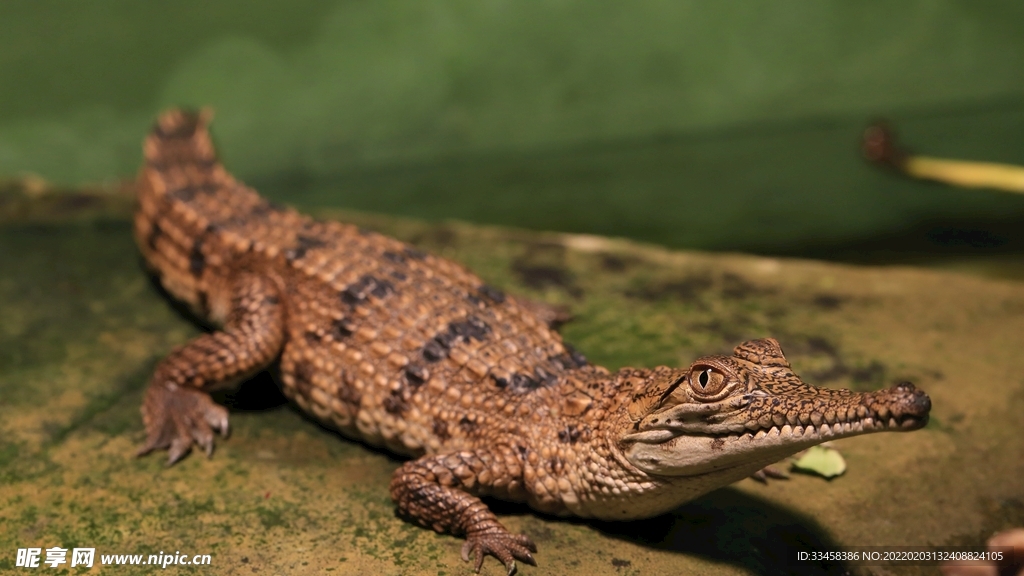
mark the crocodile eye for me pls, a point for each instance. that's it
(706, 381)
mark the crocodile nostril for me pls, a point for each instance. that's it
(906, 388)
(921, 403)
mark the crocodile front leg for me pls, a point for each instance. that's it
(434, 492)
(177, 410)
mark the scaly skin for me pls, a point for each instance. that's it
(405, 350)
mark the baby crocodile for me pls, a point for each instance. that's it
(411, 352)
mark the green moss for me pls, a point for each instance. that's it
(271, 517)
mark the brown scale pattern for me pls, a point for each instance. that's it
(392, 346)
(411, 352)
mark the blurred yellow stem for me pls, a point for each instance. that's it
(1006, 177)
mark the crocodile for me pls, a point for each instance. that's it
(410, 352)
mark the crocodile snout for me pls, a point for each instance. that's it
(905, 404)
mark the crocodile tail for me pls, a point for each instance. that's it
(180, 139)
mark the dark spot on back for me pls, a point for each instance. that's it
(563, 361)
(492, 293)
(466, 424)
(544, 377)
(395, 403)
(204, 301)
(271, 300)
(401, 277)
(433, 351)
(446, 338)
(416, 375)
(717, 443)
(311, 337)
(569, 435)
(499, 381)
(394, 257)
(522, 383)
(569, 359)
(472, 328)
(414, 253)
(341, 329)
(367, 286)
(303, 244)
(620, 563)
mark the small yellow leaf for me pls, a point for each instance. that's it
(826, 462)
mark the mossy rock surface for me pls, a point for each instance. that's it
(81, 328)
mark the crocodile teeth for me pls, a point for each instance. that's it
(760, 434)
(787, 430)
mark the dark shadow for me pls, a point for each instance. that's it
(736, 528)
(929, 241)
(257, 394)
(727, 526)
(180, 307)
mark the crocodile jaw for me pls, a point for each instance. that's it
(671, 453)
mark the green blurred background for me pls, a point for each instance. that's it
(714, 125)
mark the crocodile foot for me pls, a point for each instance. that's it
(504, 546)
(176, 418)
(767, 472)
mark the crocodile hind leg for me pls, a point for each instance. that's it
(177, 411)
(434, 491)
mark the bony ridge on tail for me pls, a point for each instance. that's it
(404, 350)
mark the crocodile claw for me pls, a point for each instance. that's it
(176, 418)
(504, 546)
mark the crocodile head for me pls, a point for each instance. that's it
(736, 414)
